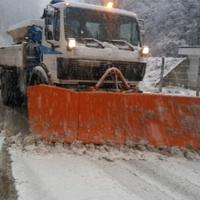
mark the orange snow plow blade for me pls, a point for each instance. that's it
(99, 117)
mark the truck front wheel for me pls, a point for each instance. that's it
(39, 76)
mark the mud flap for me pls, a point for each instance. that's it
(118, 118)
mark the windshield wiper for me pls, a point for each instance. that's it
(94, 40)
(123, 42)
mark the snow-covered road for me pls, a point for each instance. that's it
(7, 188)
(148, 176)
(59, 177)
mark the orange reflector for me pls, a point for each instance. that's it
(118, 118)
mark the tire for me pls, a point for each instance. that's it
(39, 76)
(10, 91)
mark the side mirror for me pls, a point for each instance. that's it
(142, 36)
(49, 37)
(142, 30)
(53, 46)
(48, 16)
(50, 29)
(49, 32)
(49, 26)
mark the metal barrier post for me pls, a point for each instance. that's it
(198, 81)
(162, 74)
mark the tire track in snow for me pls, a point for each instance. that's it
(7, 187)
(180, 187)
(150, 180)
(134, 181)
(61, 176)
(189, 170)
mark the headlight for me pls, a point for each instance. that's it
(71, 44)
(145, 51)
(110, 5)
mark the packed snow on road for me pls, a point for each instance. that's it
(79, 172)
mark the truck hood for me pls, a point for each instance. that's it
(109, 53)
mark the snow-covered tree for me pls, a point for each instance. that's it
(168, 23)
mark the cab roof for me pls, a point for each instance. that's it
(94, 7)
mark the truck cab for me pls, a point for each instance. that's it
(84, 40)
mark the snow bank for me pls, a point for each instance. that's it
(178, 91)
(154, 68)
(36, 145)
(152, 76)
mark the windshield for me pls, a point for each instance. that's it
(103, 26)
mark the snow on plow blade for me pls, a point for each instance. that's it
(99, 117)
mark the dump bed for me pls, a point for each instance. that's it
(12, 56)
(18, 31)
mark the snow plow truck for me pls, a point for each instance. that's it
(79, 67)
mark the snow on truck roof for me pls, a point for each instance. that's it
(94, 7)
(18, 31)
(26, 23)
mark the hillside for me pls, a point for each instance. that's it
(168, 23)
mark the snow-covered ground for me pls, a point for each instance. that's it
(154, 68)
(61, 176)
(57, 173)
(152, 77)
